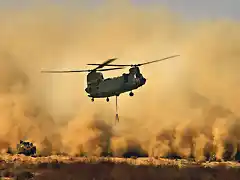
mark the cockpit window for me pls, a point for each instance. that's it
(138, 75)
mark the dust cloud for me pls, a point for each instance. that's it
(188, 108)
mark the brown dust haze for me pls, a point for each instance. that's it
(189, 105)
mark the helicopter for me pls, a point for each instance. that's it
(100, 87)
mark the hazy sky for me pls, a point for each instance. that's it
(190, 9)
(200, 8)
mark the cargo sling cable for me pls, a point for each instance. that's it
(117, 117)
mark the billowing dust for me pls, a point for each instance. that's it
(189, 106)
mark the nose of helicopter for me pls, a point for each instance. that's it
(143, 81)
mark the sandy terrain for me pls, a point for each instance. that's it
(63, 167)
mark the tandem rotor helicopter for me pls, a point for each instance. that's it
(100, 87)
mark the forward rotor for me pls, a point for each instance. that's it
(134, 65)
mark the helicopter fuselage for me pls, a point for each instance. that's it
(103, 88)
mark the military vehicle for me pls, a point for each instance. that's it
(100, 87)
(26, 148)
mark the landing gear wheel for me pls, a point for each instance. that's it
(107, 99)
(92, 99)
(131, 94)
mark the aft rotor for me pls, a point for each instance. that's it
(99, 68)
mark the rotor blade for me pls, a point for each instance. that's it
(119, 65)
(157, 60)
(109, 69)
(125, 65)
(104, 64)
(72, 71)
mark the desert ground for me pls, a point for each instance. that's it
(106, 168)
